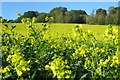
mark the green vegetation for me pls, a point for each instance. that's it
(35, 52)
(62, 15)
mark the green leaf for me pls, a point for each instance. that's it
(83, 76)
(7, 75)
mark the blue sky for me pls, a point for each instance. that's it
(10, 9)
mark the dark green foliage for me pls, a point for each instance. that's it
(62, 15)
(101, 16)
(30, 14)
(2, 20)
(10, 21)
(75, 16)
(59, 14)
(18, 20)
(41, 17)
(101, 11)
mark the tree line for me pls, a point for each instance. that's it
(62, 15)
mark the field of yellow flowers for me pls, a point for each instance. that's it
(76, 55)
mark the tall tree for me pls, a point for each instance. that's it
(41, 17)
(75, 16)
(30, 14)
(111, 10)
(91, 19)
(100, 15)
(59, 14)
(18, 20)
(101, 11)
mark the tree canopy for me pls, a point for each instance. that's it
(62, 15)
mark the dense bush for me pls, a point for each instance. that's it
(80, 55)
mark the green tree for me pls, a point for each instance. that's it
(101, 11)
(41, 17)
(91, 19)
(30, 14)
(111, 10)
(18, 20)
(2, 20)
(100, 16)
(59, 14)
(113, 15)
(109, 19)
(101, 19)
(75, 16)
(10, 21)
